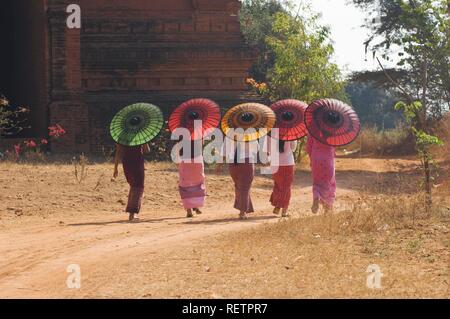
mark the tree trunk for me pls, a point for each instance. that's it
(426, 156)
(423, 113)
(427, 171)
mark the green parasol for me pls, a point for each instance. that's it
(136, 124)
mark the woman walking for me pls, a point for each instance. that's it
(198, 116)
(132, 159)
(323, 174)
(243, 125)
(241, 166)
(283, 176)
(132, 128)
(191, 171)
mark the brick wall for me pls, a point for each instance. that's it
(162, 52)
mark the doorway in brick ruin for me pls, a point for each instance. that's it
(23, 60)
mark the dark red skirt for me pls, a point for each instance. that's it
(243, 175)
(133, 167)
(283, 180)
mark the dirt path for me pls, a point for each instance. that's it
(35, 258)
(57, 225)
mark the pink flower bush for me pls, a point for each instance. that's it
(56, 131)
(30, 144)
(35, 148)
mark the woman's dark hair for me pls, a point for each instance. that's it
(281, 146)
(236, 160)
(193, 150)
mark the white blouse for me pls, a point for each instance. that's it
(244, 150)
(282, 159)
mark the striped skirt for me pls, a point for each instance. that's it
(192, 184)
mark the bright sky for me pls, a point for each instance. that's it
(347, 34)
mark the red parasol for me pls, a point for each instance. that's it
(290, 119)
(204, 110)
(332, 122)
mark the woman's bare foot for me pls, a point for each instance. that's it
(276, 210)
(315, 206)
(189, 213)
(243, 215)
(131, 217)
(328, 209)
(198, 211)
(285, 213)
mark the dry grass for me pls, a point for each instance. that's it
(80, 167)
(398, 141)
(327, 256)
(378, 213)
(324, 256)
(371, 141)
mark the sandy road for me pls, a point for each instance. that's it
(34, 259)
(35, 252)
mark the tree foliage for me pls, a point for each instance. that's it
(297, 52)
(303, 67)
(424, 141)
(419, 30)
(11, 118)
(257, 18)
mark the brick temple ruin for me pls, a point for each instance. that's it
(126, 51)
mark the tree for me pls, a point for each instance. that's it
(257, 18)
(419, 28)
(303, 69)
(423, 143)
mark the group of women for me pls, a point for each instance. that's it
(192, 186)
